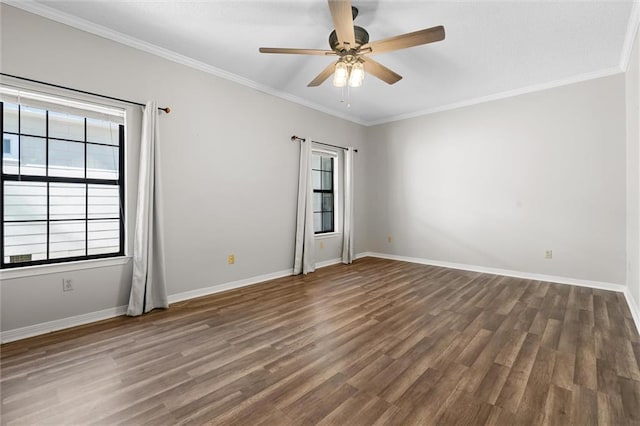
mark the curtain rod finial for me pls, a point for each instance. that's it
(166, 109)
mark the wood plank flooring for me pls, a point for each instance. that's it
(378, 342)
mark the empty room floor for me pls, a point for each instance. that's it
(378, 341)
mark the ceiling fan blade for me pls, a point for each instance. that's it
(416, 38)
(378, 70)
(296, 51)
(320, 78)
(343, 21)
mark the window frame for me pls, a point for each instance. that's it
(120, 182)
(335, 157)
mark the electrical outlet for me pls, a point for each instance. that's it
(321, 245)
(67, 284)
(548, 254)
(389, 238)
(231, 259)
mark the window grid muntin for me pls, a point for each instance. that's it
(47, 180)
(322, 191)
(46, 171)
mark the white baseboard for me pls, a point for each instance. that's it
(633, 306)
(328, 262)
(241, 283)
(505, 272)
(192, 294)
(49, 326)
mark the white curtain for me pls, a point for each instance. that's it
(347, 225)
(304, 257)
(148, 287)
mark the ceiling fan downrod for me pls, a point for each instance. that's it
(361, 38)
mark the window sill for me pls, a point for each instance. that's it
(30, 271)
(327, 235)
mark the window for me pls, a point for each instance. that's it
(323, 171)
(62, 182)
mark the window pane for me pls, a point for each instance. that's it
(104, 236)
(327, 222)
(102, 161)
(10, 115)
(67, 239)
(327, 163)
(10, 153)
(25, 200)
(327, 202)
(327, 180)
(67, 200)
(317, 222)
(25, 242)
(315, 177)
(66, 126)
(317, 202)
(33, 121)
(66, 159)
(104, 201)
(315, 162)
(33, 156)
(103, 131)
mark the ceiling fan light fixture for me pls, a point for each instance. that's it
(351, 43)
(340, 75)
(356, 77)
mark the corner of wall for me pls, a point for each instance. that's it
(632, 30)
(633, 307)
(631, 64)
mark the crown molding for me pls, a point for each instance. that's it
(632, 30)
(104, 32)
(36, 8)
(502, 95)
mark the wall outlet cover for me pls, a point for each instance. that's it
(67, 284)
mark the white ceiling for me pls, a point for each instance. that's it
(491, 47)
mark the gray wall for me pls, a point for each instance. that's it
(633, 170)
(492, 185)
(229, 168)
(497, 184)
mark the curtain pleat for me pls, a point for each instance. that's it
(148, 286)
(304, 261)
(347, 226)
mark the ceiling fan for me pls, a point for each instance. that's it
(351, 44)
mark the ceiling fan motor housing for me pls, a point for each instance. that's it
(361, 36)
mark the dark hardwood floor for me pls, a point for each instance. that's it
(377, 342)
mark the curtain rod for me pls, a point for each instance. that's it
(296, 138)
(165, 109)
